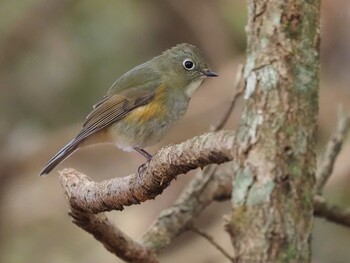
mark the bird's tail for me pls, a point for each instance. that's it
(66, 151)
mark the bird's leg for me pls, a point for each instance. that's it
(144, 154)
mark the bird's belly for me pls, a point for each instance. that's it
(126, 135)
(145, 125)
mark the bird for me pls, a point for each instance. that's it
(142, 104)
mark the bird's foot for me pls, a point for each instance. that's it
(142, 168)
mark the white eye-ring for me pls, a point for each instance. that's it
(188, 64)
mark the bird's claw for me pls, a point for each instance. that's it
(142, 168)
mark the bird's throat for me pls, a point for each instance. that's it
(192, 87)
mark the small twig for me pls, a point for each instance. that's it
(334, 146)
(238, 90)
(330, 212)
(211, 240)
(173, 221)
(322, 209)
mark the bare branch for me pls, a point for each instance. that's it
(86, 198)
(194, 199)
(330, 212)
(169, 162)
(211, 240)
(113, 239)
(334, 146)
(238, 90)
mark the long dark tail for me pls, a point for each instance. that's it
(60, 156)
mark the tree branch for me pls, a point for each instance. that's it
(195, 198)
(330, 212)
(113, 239)
(211, 240)
(334, 146)
(238, 90)
(87, 198)
(169, 162)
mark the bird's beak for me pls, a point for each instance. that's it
(209, 73)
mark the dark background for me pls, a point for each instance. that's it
(58, 57)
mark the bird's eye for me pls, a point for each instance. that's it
(188, 64)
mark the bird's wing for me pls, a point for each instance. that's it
(113, 108)
(110, 109)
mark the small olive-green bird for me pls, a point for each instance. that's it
(140, 106)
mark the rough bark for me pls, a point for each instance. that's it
(87, 199)
(156, 175)
(273, 187)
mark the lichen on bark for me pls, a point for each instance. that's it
(273, 188)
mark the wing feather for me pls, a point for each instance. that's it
(135, 88)
(112, 109)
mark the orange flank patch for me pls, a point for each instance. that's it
(155, 108)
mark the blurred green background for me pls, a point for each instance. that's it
(58, 57)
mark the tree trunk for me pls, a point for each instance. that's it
(272, 215)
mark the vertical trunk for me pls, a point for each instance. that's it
(272, 215)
